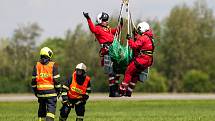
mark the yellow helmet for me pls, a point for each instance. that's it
(46, 52)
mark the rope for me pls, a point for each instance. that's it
(121, 54)
(118, 32)
(128, 11)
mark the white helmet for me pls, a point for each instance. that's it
(143, 27)
(81, 66)
(102, 17)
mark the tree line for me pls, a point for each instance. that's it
(183, 59)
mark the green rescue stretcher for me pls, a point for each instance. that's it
(121, 55)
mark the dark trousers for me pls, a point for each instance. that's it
(79, 109)
(47, 108)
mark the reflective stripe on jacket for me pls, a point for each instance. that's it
(45, 76)
(76, 91)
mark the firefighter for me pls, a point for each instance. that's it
(77, 90)
(105, 36)
(143, 48)
(46, 85)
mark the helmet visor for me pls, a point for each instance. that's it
(104, 17)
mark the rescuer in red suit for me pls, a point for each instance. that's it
(143, 48)
(105, 36)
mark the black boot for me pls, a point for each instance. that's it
(116, 90)
(128, 93)
(111, 91)
(123, 88)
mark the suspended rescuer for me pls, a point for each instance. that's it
(75, 93)
(143, 49)
(46, 85)
(105, 36)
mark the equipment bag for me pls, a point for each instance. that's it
(108, 65)
(144, 75)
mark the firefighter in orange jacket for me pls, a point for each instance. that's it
(46, 85)
(77, 90)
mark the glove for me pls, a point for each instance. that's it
(129, 42)
(59, 92)
(121, 22)
(128, 36)
(64, 102)
(68, 104)
(86, 15)
(134, 31)
(85, 97)
(64, 98)
(35, 94)
(35, 91)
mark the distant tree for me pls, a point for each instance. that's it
(5, 52)
(155, 83)
(23, 45)
(185, 38)
(206, 38)
(197, 81)
(17, 57)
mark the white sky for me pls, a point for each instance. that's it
(57, 16)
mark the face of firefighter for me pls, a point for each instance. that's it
(80, 72)
(44, 59)
(104, 23)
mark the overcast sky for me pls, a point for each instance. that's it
(57, 16)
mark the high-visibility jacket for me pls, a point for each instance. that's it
(75, 90)
(44, 77)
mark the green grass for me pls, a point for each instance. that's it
(158, 110)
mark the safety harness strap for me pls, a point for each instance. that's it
(147, 52)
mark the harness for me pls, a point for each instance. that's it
(104, 49)
(105, 45)
(146, 52)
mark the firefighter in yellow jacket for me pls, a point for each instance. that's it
(46, 85)
(77, 90)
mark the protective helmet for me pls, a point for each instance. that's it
(102, 17)
(81, 66)
(143, 27)
(45, 51)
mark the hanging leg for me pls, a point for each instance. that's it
(129, 73)
(116, 87)
(111, 85)
(132, 85)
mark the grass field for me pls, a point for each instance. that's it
(157, 110)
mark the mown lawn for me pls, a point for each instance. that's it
(157, 110)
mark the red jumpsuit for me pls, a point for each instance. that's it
(104, 34)
(143, 48)
(105, 37)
